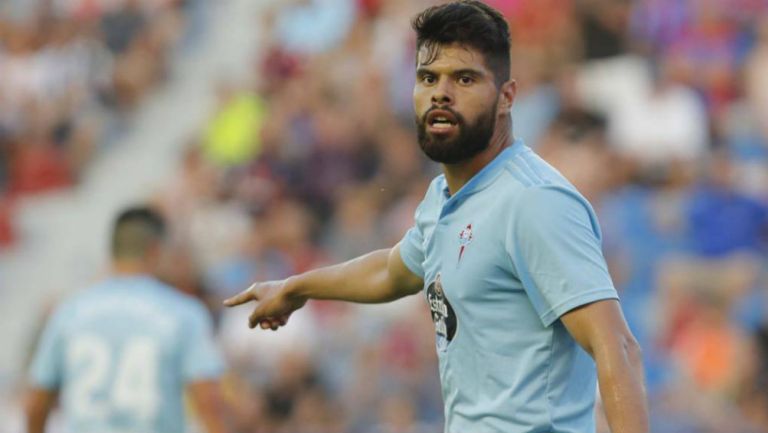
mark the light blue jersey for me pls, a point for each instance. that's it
(502, 260)
(121, 353)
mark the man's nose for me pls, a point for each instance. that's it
(443, 94)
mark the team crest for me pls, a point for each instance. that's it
(465, 237)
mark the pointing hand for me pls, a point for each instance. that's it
(275, 303)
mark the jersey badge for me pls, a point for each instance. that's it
(465, 237)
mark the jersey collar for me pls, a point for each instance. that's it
(483, 178)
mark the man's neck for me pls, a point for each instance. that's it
(130, 267)
(457, 175)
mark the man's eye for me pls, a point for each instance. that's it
(466, 79)
(428, 79)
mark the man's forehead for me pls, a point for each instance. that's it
(449, 55)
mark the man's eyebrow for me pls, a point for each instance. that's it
(421, 70)
(469, 71)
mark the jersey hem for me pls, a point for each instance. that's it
(569, 304)
(411, 266)
(50, 385)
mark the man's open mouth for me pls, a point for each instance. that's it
(441, 120)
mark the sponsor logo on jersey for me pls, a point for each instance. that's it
(442, 314)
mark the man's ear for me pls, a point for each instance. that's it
(507, 96)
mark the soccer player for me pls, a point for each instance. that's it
(122, 353)
(505, 250)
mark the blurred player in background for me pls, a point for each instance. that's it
(506, 250)
(121, 354)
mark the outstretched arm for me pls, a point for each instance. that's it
(39, 403)
(601, 330)
(380, 276)
(206, 397)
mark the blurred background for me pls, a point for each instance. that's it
(278, 136)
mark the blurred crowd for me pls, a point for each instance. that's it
(71, 74)
(657, 110)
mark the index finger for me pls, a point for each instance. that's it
(242, 297)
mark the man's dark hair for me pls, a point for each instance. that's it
(470, 23)
(136, 231)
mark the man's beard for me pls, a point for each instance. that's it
(471, 139)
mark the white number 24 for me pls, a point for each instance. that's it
(133, 388)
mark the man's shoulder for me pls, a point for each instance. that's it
(530, 184)
(181, 302)
(527, 170)
(142, 293)
(80, 298)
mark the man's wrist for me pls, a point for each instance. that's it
(294, 288)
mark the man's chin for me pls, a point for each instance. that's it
(440, 142)
(440, 152)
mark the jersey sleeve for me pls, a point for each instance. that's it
(201, 358)
(412, 252)
(554, 244)
(412, 246)
(47, 366)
